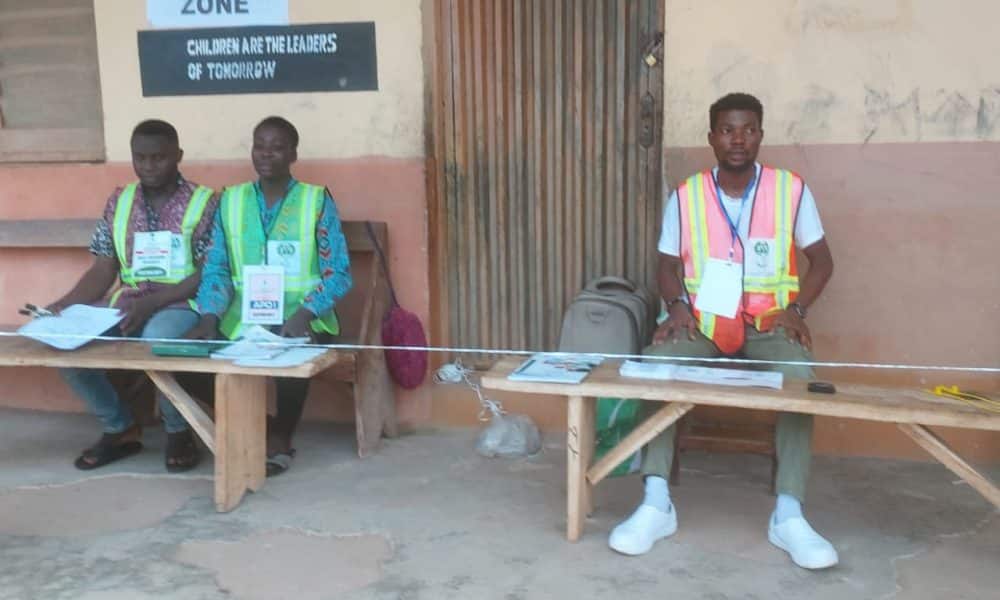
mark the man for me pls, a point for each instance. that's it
(728, 277)
(292, 229)
(162, 215)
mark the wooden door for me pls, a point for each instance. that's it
(546, 160)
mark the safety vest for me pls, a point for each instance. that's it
(246, 242)
(705, 233)
(181, 241)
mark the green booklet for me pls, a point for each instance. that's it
(188, 349)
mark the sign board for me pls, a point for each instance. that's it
(332, 57)
(186, 14)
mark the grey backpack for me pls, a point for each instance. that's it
(611, 315)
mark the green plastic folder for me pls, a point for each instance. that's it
(190, 350)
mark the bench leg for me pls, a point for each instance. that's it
(240, 437)
(374, 402)
(639, 437)
(579, 452)
(937, 448)
(186, 405)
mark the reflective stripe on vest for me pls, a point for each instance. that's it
(120, 228)
(246, 242)
(705, 234)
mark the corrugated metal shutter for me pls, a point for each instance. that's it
(548, 146)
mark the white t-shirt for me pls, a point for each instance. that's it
(808, 228)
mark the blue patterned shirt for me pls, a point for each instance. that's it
(216, 290)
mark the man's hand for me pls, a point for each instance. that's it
(298, 324)
(795, 328)
(206, 329)
(56, 307)
(137, 313)
(681, 321)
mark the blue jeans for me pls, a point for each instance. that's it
(99, 395)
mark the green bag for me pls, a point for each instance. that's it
(616, 418)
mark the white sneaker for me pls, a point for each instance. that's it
(647, 525)
(807, 548)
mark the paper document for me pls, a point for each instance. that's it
(286, 358)
(257, 343)
(556, 368)
(73, 327)
(672, 372)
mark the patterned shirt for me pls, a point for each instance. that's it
(170, 215)
(216, 291)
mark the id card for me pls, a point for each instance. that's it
(263, 295)
(759, 258)
(151, 254)
(178, 252)
(721, 288)
(286, 255)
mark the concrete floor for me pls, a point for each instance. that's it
(429, 519)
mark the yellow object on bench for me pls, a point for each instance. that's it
(980, 401)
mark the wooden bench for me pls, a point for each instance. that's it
(365, 371)
(237, 437)
(911, 410)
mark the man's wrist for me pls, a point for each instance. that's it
(798, 309)
(674, 301)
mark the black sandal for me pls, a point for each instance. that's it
(182, 452)
(107, 450)
(279, 463)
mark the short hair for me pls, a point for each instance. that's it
(283, 124)
(736, 101)
(156, 128)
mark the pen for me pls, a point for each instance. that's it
(525, 366)
(33, 311)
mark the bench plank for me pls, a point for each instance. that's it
(47, 233)
(186, 405)
(871, 403)
(937, 448)
(24, 352)
(76, 233)
(637, 438)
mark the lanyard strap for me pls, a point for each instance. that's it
(734, 228)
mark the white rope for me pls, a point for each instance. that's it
(510, 352)
(456, 372)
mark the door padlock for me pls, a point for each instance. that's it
(649, 55)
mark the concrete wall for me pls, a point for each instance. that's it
(367, 146)
(888, 108)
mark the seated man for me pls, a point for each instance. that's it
(289, 226)
(163, 211)
(731, 233)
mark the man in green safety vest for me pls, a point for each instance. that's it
(278, 259)
(153, 238)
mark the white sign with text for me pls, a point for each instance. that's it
(187, 14)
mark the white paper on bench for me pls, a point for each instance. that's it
(286, 358)
(257, 343)
(669, 372)
(73, 327)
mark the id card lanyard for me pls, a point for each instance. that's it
(734, 228)
(277, 213)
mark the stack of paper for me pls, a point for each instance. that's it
(556, 368)
(672, 372)
(260, 348)
(73, 327)
(287, 358)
